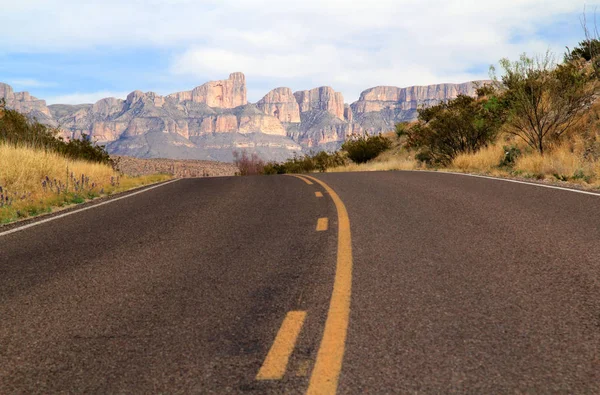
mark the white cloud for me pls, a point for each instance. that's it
(302, 44)
(360, 45)
(87, 97)
(30, 83)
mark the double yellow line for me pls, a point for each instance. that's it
(328, 366)
(326, 373)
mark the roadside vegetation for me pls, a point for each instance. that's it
(539, 120)
(358, 149)
(40, 172)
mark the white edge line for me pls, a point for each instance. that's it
(20, 228)
(509, 180)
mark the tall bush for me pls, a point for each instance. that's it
(462, 125)
(362, 149)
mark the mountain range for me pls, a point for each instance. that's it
(214, 119)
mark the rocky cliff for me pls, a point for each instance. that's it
(228, 93)
(406, 99)
(281, 104)
(214, 119)
(181, 125)
(379, 109)
(26, 104)
(321, 99)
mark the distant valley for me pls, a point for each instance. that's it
(214, 119)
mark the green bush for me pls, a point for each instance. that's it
(401, 129)
(320, 161)
(324, 160)
(365, 148)
(588, 50)
(462, 125)
(510, 156)
(273, 168)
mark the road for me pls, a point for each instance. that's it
(387, 282)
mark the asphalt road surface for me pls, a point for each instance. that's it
(391, 282)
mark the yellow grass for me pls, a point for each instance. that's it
(23, 171)
(395, 158)
(389, 164)
(564, 162)
(561, 162)
(483, 160)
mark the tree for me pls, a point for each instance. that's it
(464, 124)
(545, 99)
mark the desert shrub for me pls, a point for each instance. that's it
(545, 100)
(273, 168)
(325, 160)
(587, 49)
(401, 129)
(248, 165)
(362, 149)
(299, 164)
(510, 156)
(462, 125)
(84, 149)
(320, 161)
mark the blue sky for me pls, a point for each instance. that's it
(72, 51)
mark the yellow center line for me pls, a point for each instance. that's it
(276, 362)
(328, 366)
(303, 178)
(318, 194)
(322, 224)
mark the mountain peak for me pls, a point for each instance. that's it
(229, 93)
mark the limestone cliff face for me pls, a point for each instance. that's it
(104, 131)
(214, 119)
(107, 107)
(281, 104)
(6, 91)
(379, 109)
(321, 99)
(323, 116)
(228, 93)
(348, 115)
(321, 128)
(223, 123)
(150, 125)
(26, 104)
(382, 97)
(261, 124)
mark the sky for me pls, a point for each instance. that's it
(79, 51)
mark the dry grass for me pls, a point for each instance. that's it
(566, 162)
(381, 165)
(481, 161)
(562, 163)
(34, 181)
(396, 158)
